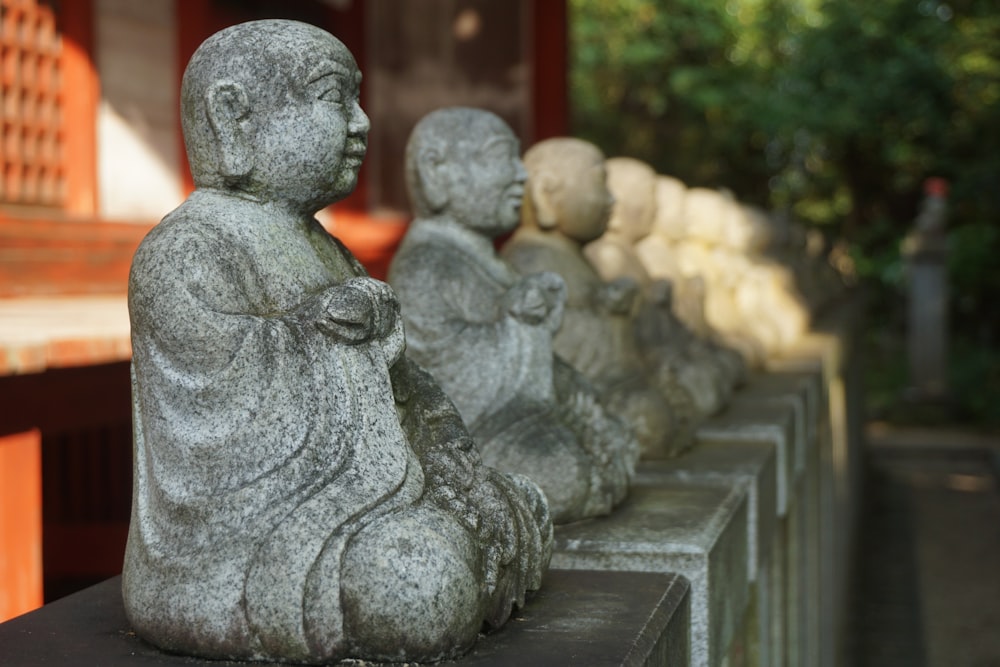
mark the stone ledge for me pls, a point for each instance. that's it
(613, 619)
(751, 465)
(696, 529)
(801, 391)
(754, 422)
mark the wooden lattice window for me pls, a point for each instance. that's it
(31, 104)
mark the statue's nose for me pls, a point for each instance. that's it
(359, 123)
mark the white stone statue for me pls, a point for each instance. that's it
(686, 366)
(566, 205)
(303, 491)
(486, 333)
(717, 240)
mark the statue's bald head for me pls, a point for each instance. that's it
(633, 185)
(562, 157)
(567, 188)
(452, 136)
(269, 61)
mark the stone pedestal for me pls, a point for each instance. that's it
(802, 391)
(695, 529)
(756, 417)
(751, 465)
(757, 422)
(625, 619)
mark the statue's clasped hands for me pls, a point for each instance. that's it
(357, 311)
(618, 296)
(539, 299)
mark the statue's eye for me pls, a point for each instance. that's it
(332, 95)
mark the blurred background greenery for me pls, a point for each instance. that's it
(834, 112)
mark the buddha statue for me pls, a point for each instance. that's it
(660, 256)
(705, 254)
(486, 333)
(688, 369)
(303, 491)
(566, 205)
(768, 288)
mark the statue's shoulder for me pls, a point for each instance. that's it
(426, 250)
(189, 241)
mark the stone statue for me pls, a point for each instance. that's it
(566, 205)
(687, 368)
(303, 491)
(485, 332)
(769, 283)
(660, 255)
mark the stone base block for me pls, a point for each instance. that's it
(748, 464)
(802, 392)
(626, 619)
(696, 529)
(773, 423)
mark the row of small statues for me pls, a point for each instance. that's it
(312, 484)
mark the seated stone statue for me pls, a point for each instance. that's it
(303, 491)
(687, 368)
(485, 333)
(768, 285)
(751, 298)
(704, 253)
(566, 205)
(661, 254)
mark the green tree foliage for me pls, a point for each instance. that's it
(834, 111)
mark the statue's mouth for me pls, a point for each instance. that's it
(356, 147)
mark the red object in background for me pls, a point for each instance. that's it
(936, 187)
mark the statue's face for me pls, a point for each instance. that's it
(585, 204)
(669, 221)
(488, 192)
(635, 205)
(313, 136)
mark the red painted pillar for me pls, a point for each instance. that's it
(550, 88)
(20, 523)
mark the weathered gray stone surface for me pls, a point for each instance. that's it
(748, 464)
(303, 491)
(696, 529)
(566, 205)
(756, 422)
(803, 390)
(486, 333)
(612, 619)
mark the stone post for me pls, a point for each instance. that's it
(925, 252)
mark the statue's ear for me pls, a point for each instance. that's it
(432, 170)
(228, 107)
(543, 187)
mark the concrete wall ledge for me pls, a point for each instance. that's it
(621, 619)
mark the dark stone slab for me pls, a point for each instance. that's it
(578, 618)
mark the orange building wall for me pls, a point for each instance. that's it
(20, 523)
